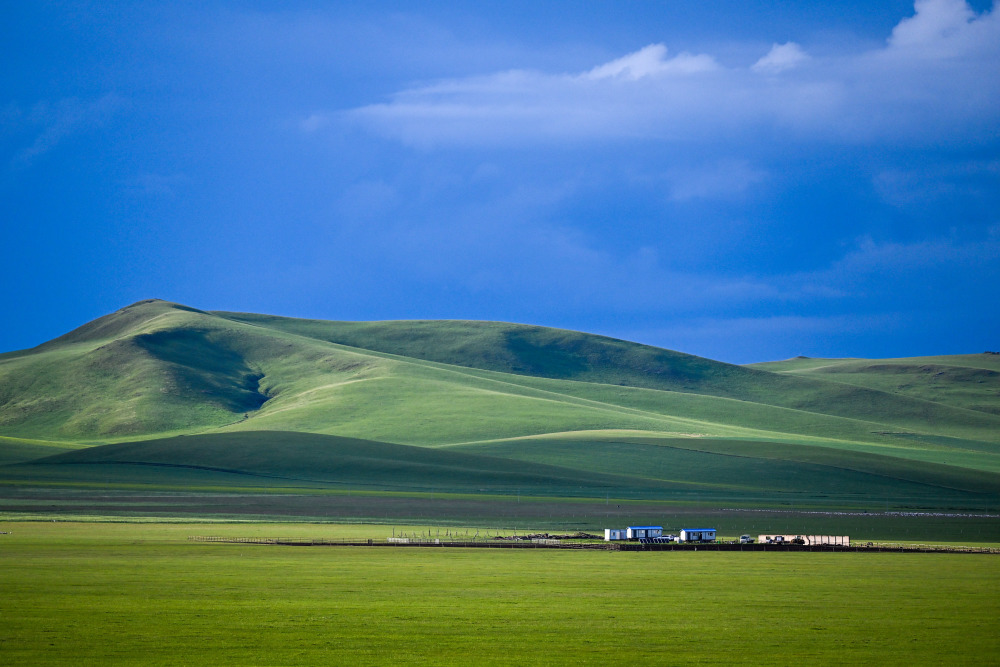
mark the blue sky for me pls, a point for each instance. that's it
(741, 180)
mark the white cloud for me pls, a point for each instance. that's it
(652, 61)
(935, 81)
(781, 57)
(939, 25)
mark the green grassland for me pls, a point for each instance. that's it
(164, 397)
(18, 450)
(142, 594)
(624, 465)
(969, 381)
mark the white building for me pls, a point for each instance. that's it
(697, 535)
(639, 532)
(812, 540)
(615, 534)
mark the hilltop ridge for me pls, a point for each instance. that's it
(157, 367)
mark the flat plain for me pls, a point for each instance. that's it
(143, 593)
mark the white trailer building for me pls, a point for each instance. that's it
(640, 532)
(615, 534)
(697, 535)
(811, 540)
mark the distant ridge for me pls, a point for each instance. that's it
(567, 355)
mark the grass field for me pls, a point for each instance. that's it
(142, 594)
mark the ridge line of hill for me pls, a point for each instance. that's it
(917, 405)
(522, 382)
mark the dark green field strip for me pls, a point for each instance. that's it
(15, 450)
(126, 475)
(745, 465)
(742, 469)
(920, 472)
(317, 458)
(626, 467)
(867, 520)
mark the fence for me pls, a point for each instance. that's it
(868, 547)
(403, 542)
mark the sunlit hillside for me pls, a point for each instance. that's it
(597, 414)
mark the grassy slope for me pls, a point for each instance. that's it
(18, 450)
(429, 407)
(743, 466)
(155, 369)
(149, 368)
(970, 382)
(567, 355)
(322, 460)
(623, 466)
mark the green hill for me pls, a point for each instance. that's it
(566, 355)
(607, 413)
(970, 381)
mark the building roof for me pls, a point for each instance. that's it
(699, 530)
(644, 527)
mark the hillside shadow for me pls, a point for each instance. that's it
(201, 366)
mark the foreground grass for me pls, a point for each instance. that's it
(93, 593)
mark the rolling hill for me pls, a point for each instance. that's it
(161, 391)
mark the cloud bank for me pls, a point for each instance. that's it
(936, 79)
